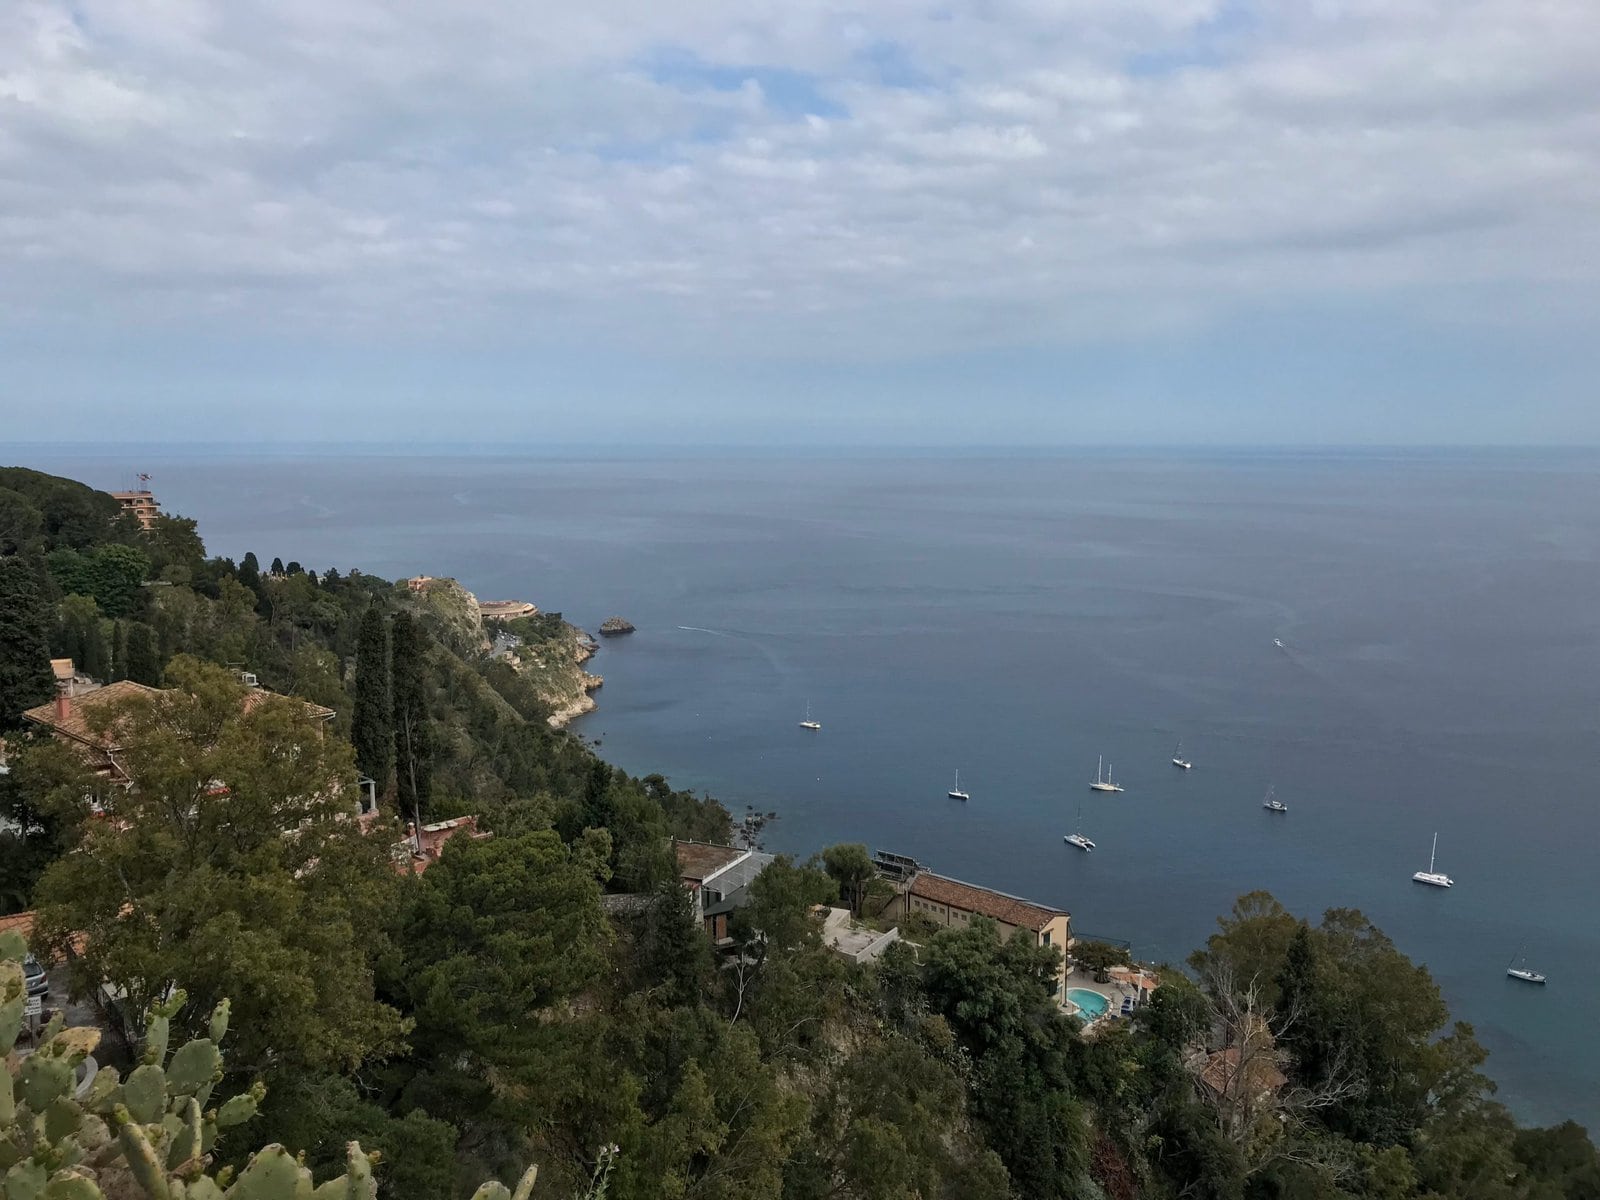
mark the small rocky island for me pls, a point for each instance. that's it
(615, 627)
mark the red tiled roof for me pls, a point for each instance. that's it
(696, 860)
(75, 724)
(22, 922)
(1013, 910)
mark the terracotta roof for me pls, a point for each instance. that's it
(1013, 910)
(76, 725)
(76, 722)
(22, 922)
(1222, 1069)
(316, 711)
(696, 860)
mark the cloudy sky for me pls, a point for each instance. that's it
(922, 221)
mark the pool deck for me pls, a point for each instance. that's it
(1115, 993)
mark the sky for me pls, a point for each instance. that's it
(923, 222)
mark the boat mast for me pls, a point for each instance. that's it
(1433, 853)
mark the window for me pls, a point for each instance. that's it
(1044, 939)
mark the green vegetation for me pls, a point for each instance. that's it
(547, 993)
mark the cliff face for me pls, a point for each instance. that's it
(451, 615)
(544, 649)
(551, 657)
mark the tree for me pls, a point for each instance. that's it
(21, 523)
(111, 573)
(143, 661)
(25, 678)
(372, 723)
(228, 869)
(277, 567)
(413, 735)
(177, 554)
(119, 650)
(1100, 957)
(849, 864)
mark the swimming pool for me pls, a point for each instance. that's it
(1090, 1004)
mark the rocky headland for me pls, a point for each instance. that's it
(542, 647)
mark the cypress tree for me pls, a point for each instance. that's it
(119, 650)
(143, 661)
(372, 724)
(96, 661)
(413, 745)
(25, 678)
(276, 568)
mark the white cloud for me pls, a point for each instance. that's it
(892, 177)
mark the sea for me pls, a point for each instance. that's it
(1401, 643)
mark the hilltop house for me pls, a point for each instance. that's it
(952, 903)
(71, 718)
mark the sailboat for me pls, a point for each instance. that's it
(1178, 760)
(956, 793)
(1430, 876)
(1102, 779)
(808, 723)
(1272, 803)
(1521, 971)
(1077, 839)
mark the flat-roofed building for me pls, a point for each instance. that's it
(142, 504)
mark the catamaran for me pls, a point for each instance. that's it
(1178, 760)
(1077, 839)
(956, 793)
(1430, 876)
(1521, 972)
(1102, 778)
(1272, 803)
(808, 723)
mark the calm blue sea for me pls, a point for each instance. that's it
(1016, 616)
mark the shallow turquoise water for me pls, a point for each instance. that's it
(1090, 1003)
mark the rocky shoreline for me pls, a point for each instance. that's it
(542, 647)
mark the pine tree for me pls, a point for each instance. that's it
(25, 678)
(143, 661)
(413, 744)
(277, 568)
(372, 726)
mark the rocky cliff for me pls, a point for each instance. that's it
(543, 648)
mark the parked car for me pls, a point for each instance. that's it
(38, 981)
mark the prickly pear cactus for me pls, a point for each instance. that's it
(146, 1137)
(149, 1136)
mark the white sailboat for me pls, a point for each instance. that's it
(1178, 760)
(1517, 968)
(956, 793)
(1430, 876)
(808, 723)
(1077, 839)
(1272, 803)
(1102, 778)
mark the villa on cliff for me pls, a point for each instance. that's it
(953, 904)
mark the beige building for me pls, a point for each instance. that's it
(142, 504)
(950, 902)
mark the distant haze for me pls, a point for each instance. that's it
(743, 221)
